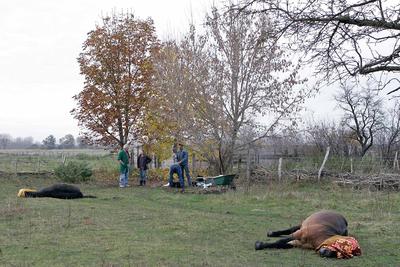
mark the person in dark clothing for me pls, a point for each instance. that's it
(142, 162)
(175, 152)
(176, 169)
(183, 161)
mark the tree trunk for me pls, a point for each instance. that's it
(230, 149)
(248, 168)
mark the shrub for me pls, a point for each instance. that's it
(159, 174)
(73, 172)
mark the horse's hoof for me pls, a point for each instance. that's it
(271, 234)
(259, 245)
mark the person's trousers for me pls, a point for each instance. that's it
(123, 179)
(143, 175)
(185, 172)
(176, 169)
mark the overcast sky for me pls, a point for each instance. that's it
(39, 43)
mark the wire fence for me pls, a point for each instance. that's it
(250, 167)
(369, 171)
(45, 161)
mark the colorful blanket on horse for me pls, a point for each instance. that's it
(345, 246)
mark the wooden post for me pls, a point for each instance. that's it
(38, 165)
(323, 164)
(16, 166)
(280, 169)
(351, 165)
(395, 162)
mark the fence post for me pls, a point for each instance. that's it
(280, 169)
(16, 166)
(38, 165)
(395, 162)
(351, 165)
(64, 159)
(323, 164)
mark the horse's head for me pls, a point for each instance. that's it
(25, 192)
(327, 253)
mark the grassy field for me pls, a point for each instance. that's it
(13, 161)
(158, 227)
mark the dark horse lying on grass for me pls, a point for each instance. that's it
(63, 191)
(324, 231)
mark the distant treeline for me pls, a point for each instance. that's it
(50, 142)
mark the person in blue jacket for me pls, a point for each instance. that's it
(183, 161)
(176, 169)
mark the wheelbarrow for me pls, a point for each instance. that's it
(220, 180)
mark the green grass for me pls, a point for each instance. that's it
(12, 161)
(157, 227)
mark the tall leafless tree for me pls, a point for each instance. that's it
(389, 137)
(341, 38)
(229, 76)
(253, 75)
(187, 104)
(321, 134)
(363, 114)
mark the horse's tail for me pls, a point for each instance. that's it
(89, 196)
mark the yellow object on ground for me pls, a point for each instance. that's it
(22, 192)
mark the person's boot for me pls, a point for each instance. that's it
(141, 183)
(144, 182)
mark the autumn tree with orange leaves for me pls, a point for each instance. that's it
(117, 63)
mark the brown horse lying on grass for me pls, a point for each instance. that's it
(324, 231)
(63, 191)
